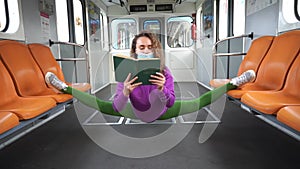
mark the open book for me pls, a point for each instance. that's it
(142, 68)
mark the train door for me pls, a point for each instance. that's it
(179, 47)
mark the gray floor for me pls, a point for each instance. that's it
(240, 141)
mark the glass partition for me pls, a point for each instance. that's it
(179, 32)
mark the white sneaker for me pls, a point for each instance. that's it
(52, 79)
(245, 77)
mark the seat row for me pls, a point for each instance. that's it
(275, 91)
(23, 91)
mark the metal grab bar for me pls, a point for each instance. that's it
(230, 54)
(51, 42)
(71, 59)
(215, 54)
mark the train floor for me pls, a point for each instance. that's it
(80, 138)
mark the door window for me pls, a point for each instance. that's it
(179, 32)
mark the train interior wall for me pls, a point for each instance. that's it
(33, 33)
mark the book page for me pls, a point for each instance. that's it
(146, 68)
(143, 68)
(123, 66)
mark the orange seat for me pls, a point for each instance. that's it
(290, 115)
(270, 102)
(273, 70)
(27, 76)
(47, 63)
(24, 108)
(257, 51)
(8, 120)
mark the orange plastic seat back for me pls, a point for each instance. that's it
(256, 53)
(45, 60)
(292, 83)
(275, 66)
(24, 108)
(47, 63)
(7, 89)
(27, 76)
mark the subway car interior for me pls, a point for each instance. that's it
(204, 43)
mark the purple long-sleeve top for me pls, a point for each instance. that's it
(148, 103)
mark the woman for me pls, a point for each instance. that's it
(149, 102)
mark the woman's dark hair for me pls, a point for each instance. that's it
(157, 48)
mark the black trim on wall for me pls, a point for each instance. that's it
(7, 16)
(296, 10)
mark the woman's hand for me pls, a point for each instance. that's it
(128, 86)
(159, 79)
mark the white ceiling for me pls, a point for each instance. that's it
(117, 2)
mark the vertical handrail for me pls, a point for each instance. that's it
(51, 42)
(215, 54)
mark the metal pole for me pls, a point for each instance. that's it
(77, 59)
(215, 55)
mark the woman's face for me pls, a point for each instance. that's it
(143, 45)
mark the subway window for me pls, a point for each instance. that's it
(78, 22)
(288, 11)
(9, 16)
(223, 19)
(94, 19)
(3, 16)
(289, 18)
(239, 17)
(14, 16)
(62, 20)
(179, 31)
(123, 31)
(96, 24)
